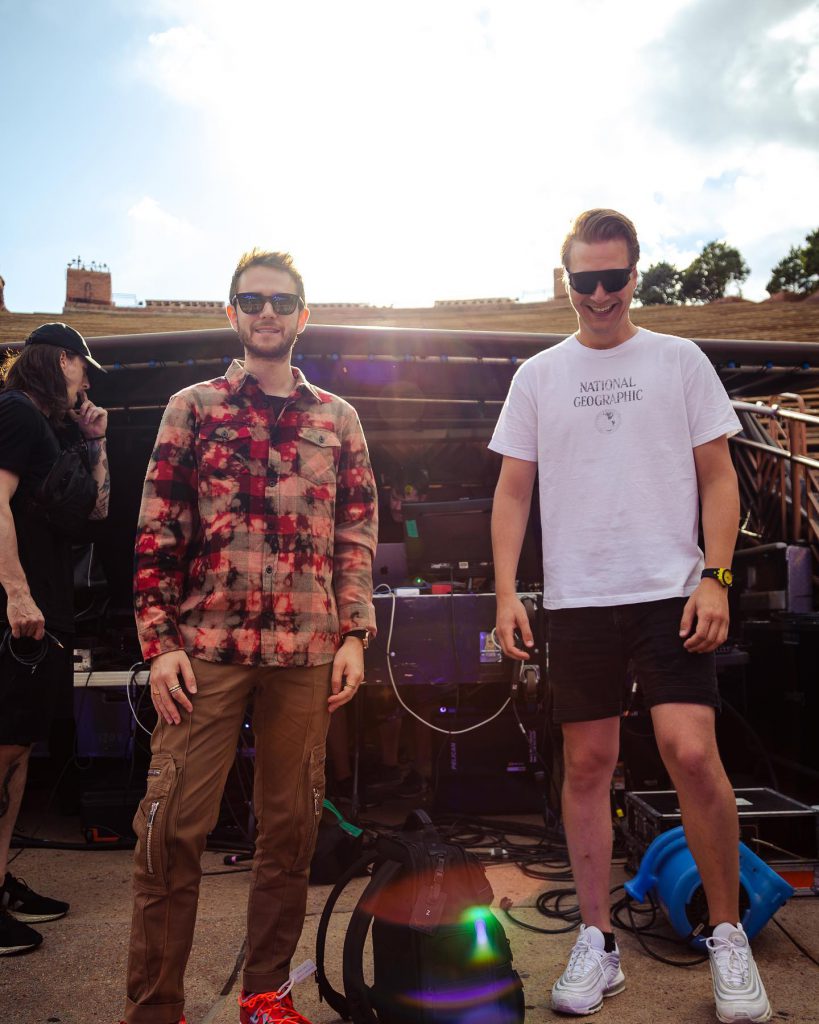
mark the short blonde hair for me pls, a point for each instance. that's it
(601, 226)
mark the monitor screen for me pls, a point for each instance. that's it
(453, 540)
(390, 565)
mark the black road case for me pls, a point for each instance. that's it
(782, 831)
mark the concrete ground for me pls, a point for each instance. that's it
(76, 976)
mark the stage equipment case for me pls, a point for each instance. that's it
(437, 639)
(782, 831)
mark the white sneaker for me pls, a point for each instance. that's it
(591, 975)
(738, 990)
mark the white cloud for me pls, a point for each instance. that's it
(148, 217)
(181, 61)
(738, 69)
(407, 152)
(162, 253)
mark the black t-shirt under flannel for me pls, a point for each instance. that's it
(29, 448)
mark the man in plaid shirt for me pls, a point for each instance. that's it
(253, 579)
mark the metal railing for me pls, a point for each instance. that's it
(778, 479)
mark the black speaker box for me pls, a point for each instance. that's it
(783, 686)
(492, 769)
(744, 754)
(437, 639)
(643, 767)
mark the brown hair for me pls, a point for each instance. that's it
(36, 370)
(601, 226)
(263, 258)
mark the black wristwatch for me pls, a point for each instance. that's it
(362, 634)
(723, 576)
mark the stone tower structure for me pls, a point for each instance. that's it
(2, 300)
(87, 287)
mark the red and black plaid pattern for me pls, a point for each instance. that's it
(256, 534)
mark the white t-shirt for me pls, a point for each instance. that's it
(613, 433)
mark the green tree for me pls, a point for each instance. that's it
(798, 272)
(660, 285)
(811, 258)
(717, 266)
(790, 275)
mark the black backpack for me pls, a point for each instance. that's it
(67, 495)
(440, 956)
(339, 845)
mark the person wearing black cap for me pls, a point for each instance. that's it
(46, 418)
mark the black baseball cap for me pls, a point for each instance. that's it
(62, 336)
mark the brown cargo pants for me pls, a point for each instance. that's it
(189, 767)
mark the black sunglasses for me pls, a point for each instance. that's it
(283, 303)
(585, 281)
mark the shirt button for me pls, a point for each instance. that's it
(269, 569)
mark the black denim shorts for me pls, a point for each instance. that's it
(29, 700)
(595, 653)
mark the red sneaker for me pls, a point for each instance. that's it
(268, 1008)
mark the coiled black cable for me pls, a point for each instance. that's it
(32, 659)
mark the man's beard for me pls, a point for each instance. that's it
(275, 353)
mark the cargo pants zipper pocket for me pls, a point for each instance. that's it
(149, 838)
(151, 824)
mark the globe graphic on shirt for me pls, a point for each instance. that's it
(607, 421)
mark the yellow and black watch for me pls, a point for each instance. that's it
(723, 576)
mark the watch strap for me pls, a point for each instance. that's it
(362, 634)
(723, 576)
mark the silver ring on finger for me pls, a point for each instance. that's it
(172, 689)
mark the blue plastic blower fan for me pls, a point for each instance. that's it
(668, 868)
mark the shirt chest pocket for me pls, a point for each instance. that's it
(319, 451)
(225, 450)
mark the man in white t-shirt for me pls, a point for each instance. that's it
(628, 433)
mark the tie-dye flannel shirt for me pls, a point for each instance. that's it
(256, 534)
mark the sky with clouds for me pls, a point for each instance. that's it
(403, 152)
